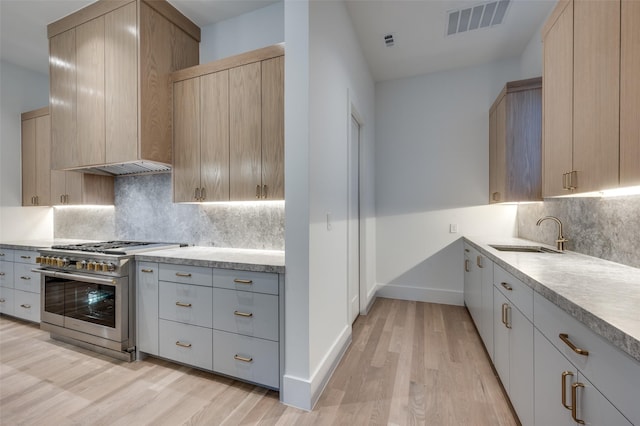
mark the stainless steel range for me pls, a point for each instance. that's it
(88, 294)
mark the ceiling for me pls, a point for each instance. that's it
(418, 26)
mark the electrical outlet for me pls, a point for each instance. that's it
(453, 228)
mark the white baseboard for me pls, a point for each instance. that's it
(420, 294)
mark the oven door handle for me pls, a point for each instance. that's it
(83, 278)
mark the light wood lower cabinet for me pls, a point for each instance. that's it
(36, 158)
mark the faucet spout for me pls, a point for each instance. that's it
(561, 239)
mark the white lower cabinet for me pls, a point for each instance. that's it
(147, 296)
(26, 285)
(478, 293)
(26, 305)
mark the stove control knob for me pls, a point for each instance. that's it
(50, 260)
(81, 265)
(111, 267)
(39, 259)
(59, 262)
(91, 265)
(65, 262)
(104, 267)
(99, 266)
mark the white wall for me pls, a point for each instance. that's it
(531, 59)
(432, 170)
(21, 90)
(253, 30)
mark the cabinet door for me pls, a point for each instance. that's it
(90, 96)
(486, 307)
(521, 364)
(549, 366)
(594, 408)
(214, 140)
(558, 103)
(43, 160)
(501, 153)
(6, 301)
(186, 140)
(273, 128)
(28, 162)
(630, 93)
(245, 165)
(73, 188)
(147, 297)
(58, 187)
(596, 114)
(501, 338)
(97, 189)
(62, 99)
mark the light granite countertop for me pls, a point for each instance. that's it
(603, 295)
(216, 257)
(35, 245)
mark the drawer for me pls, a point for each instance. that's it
(243, 312)
(26, 305)
(188, 344)
(25, 256)
(6, 301)
(189, 304)
(25, 279)
(610, 370)
(6, 274)
(186, 274)
(515, 290)
(6, 255)
(259, 282)
(247, 358)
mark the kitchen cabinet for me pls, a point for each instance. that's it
(586, 69)
(36, 158)
(513, 342)
(478, 294)
(147, 297)
(229, 128)
(110, 92)
(75, 188)
(515, 143)
(26, 286)
(6, 281)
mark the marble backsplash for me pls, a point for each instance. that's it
(608, 228)
(144, 211)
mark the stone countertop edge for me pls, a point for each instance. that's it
(35, 245)
(626, 340)
(221, 258)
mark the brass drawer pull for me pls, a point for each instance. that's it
(565, 338)
(25, 257)
(564, 389)
(183, 274)
(183, 305)
(184, 345)
(1, 254)
(264, 191)
(466, 265)
(479, 261)
(25, 278)
(26, 306)
(2, 300)
(574, 402)
(506, 286)
(466, 250)
(241, 358)
(243, 314)
(257, 191)
(147, 271)
(203, 194)
(505, 315)
(239, 281)
(1, 274)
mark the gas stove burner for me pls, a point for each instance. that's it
(114, 247)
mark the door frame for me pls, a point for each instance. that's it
(354, 114)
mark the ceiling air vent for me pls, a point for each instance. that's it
(475, 17)
(389, 40)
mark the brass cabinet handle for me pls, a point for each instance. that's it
(1, 254)
(466, 250)
(564, 389)
(148, 271)
(565, 185)
(26, 306)
(264, 191)
(573, 184)
(495, 196)
(25, 278)
(479, 261)
(184, 345)
(574, 402)
(2, 300)
(239, 281)
(25, 257)
(466, 265)
(203, 194)
(182, 274)
(37, 200)
(243, 314)
(257, 191)
(505, 315)
(183, 304)
(196, 195)
(506, 286)
(565, 338)
(1, 274)
(241, 358)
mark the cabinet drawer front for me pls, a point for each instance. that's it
(25, 279)
(189, 304)
(188, 344)
(7, 255)
(259, 282)
(26, 305)
(610, 370)
(25, 256)
(186, 274)
(248, 358)
(243, 312)
(7, 301)
(6, 274)
(520, 294)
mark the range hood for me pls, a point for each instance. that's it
(126, 169)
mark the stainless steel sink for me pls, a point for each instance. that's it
(524, 249)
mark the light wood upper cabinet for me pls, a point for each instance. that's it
(110, 66)
(75, 188)
(515, 138)
(630, 93)
(36, 158)
(229, 128)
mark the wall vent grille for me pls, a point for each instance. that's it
(476, 17)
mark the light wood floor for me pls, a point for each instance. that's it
(409, 363)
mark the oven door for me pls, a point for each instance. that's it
(88, 304)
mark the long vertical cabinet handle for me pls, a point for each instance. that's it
(564, 389)
(196, 195)
(574, 402)
(479, 261)
(264, 191)
(466, 265)
(203, 194)
(504, 313)
(258, 191)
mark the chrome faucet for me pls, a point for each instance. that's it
(561, 239)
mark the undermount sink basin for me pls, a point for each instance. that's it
(524, 249)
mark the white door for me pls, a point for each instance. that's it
(353, 223)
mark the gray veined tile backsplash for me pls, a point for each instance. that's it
(608, 228)
(144, 211)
